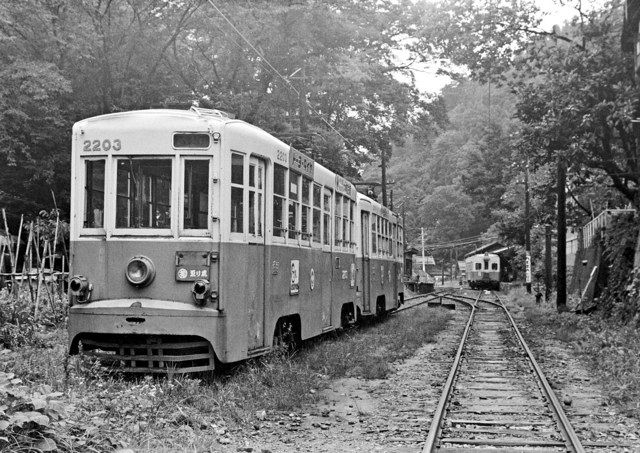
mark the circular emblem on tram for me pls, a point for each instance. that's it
(182, 273)
(312, 279)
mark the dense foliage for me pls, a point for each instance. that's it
(620, 299)
(325, 71)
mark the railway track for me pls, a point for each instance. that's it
(496, 398)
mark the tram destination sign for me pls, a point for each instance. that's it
(344, 186)
(300, 163)
(191, 266)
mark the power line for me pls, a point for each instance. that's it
(275, 71)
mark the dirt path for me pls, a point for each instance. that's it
(598, 425)
(358, 415)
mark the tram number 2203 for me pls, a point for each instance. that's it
(102, 145)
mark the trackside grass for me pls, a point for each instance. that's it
(609, 349)
(72, 404)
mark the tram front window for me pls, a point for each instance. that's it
(143, 193)
(94, 194)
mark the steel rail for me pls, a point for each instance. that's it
(438, 416)
(561, 418)
(428, 298)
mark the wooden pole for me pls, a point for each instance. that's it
(10, 246)
(15, 264)
(527, 227)
(548, 271)
(26, 266)
(561, 297)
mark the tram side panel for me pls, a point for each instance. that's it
(343, 288)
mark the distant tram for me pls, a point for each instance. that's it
(483, 271)
(197, 238)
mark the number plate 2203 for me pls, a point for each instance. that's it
(102, 145)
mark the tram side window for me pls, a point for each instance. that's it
(294, 204)
(94, 194)
(279, 199)
(478, 266)
(317, 202)
(143, 193)
(256, 192)
(196, 194)
(237, 193)
(352, 214)
(327, 216)
(494, 266)
(337, 213)
(346, 238)
(306, 209)
(393, 244)
(374, 234)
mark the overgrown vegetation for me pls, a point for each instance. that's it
(620, 299)
(49, 401)
(610, 349)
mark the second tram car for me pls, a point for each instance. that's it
(196, 238)
(483, 271)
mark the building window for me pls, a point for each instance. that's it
(94, 194)
(196, 194)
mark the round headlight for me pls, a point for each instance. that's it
(140, 271)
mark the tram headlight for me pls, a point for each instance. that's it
(140, 271)
(80, 288)
(201, 291)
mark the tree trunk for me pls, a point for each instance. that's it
(561, 298)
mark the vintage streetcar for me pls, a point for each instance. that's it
(483, 271)
(199, 239)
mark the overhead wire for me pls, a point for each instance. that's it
(276, 72)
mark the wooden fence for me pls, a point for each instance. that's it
(40, 265)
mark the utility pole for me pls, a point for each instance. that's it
(383, 164)
(422, 237)
(561, 298)
(404, 244)
(548, 271)
(527, 229)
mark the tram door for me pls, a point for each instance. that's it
(256, 253)
(366, 265)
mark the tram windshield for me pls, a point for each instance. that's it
(143, 193)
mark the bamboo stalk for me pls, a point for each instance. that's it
(26, 267)
(55, 240)
(2, 259)
(15, 264)
(39, 262)
(10, 244)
